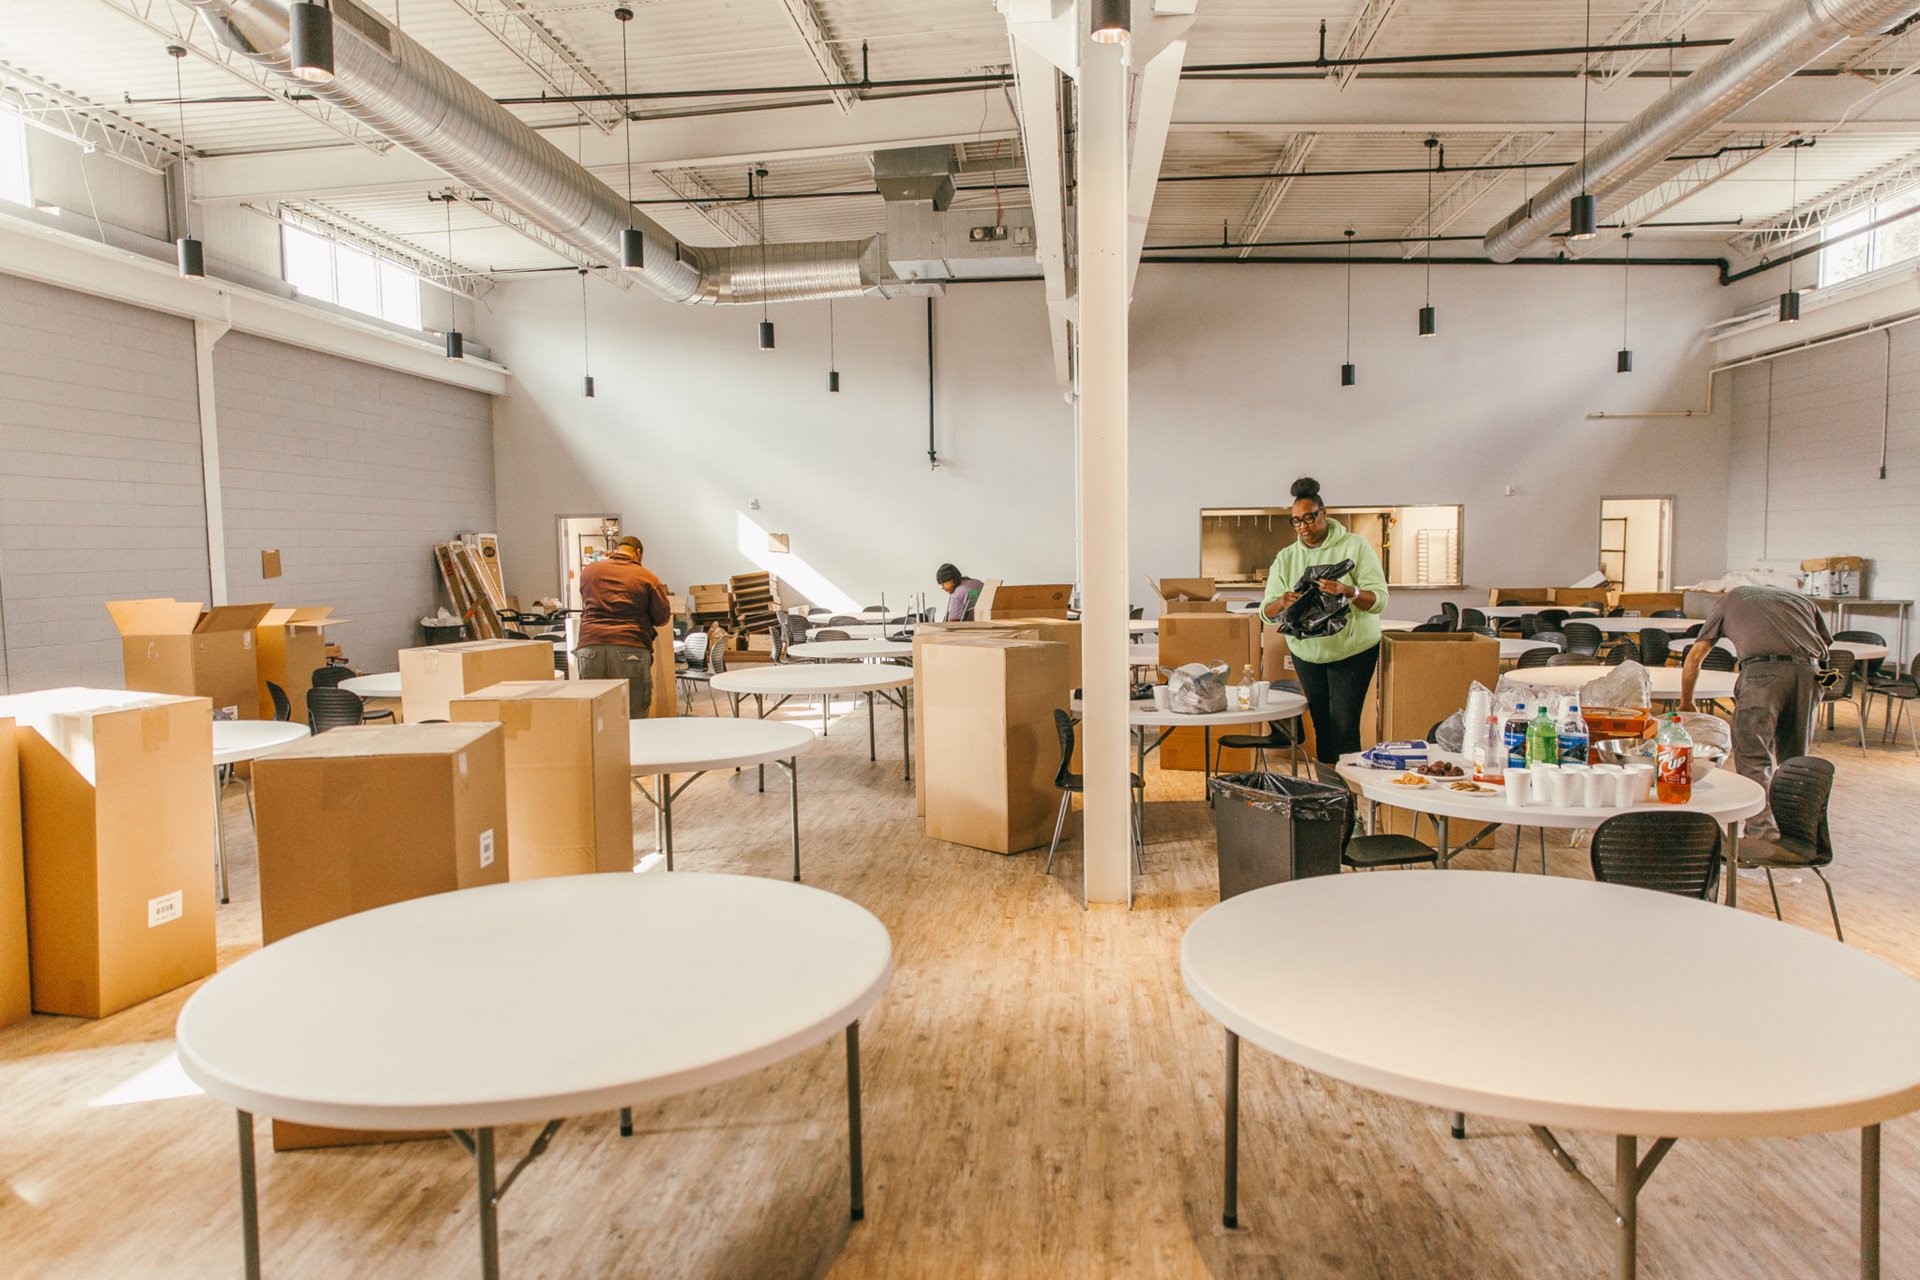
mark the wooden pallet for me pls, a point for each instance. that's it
(756, 601)
(467, 587)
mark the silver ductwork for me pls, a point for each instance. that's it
(388, 82)
(928, 240)
(1773, 48)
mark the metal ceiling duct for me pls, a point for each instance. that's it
(390, 83)
(1773, 48)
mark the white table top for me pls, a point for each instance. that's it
(1860, 649)
(384, 684)
(532, 1001)
(1143, 627)
(1722, 795)
(1144, 653)
(1563, 1002)
(1664, 681)
(842, 649)
(1616, 626)
(863, 630)
(694, 744)
(235, 741)
(814, 678)
(1280, 705)
(1516, 610)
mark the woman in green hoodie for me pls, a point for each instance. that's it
(1334, 671)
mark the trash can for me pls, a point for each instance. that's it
(444, 635)
(1272, 829)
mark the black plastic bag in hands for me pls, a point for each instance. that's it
(1315, 613)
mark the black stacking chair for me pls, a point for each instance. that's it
(1540, 657)
(1452, 611)
(1470, 618)
(282, 707)
(1669, 613)
(1558, 639)
(330, 676)
(1840, 692)
(1719, 659)
(1798, 796)
(1620, 651)
(1655, 647)
(1372, 852)
(332, 709)
(1582, 637)
(1677, 852)
(1554, 618)
(1279, 735)
(1070, 783)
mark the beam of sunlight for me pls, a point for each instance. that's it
(156, 1083)
(787, 567)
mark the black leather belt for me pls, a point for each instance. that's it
(1774, 657)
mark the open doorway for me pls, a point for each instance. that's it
(583, 539)
(1636, 543)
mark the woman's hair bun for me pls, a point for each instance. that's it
(1307, 487)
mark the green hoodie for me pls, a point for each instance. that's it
(1362, 631)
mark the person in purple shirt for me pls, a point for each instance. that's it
(962, 592)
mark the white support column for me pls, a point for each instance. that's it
(205, 334)
(1102, 370)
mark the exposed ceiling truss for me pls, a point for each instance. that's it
(1367, 25)
(514, 24)
(826, 55)
(1654, 21)
(1732, 155)
(344, 227)
(1889, 180)
(1452, 204)
(689, 185)
(166, 21)
(1292, 159)
(480, 203)
(52, 108)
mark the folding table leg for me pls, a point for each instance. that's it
(1230, 1215)
(249, 1199)
(1870, 1203)
(855, 1174)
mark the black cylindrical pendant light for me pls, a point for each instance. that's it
(1583, 219)
(1429, 319)
(766, 317)
(766, 335)
(1790, 306)
(456, 345)
(833, 374)
(1429, 322)
(1623, 360)
(1112, 21)
(586, 350)
(588, 393)
(1790, 300)
(833, 380)
(633, 245)
(1347, 374)
(192, 262)
(311, 46)
(633, 249)
(1347, 369)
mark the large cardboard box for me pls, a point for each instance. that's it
(1645, 602)
(1834, 576)
(176, 646)
(666, 680)
(1593, 597)
(432, 676)
(992, 749)
(1520, 595)
(362, 817)
(1176, 591)
(1232, 638)
(116, 807)
(1004, 601)
(1423, 678)
(569, 795)
(291, 644)
(16, 988)
(944, 633)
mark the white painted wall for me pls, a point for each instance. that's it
(1235, 384)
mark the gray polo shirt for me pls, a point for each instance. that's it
(1769, 620)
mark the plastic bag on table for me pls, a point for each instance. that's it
(1627, 685)
(1196, 689)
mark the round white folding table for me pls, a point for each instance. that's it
(1862, 650)
(1280, 704)
(529, 1003)
(695, 745)
(1144, 653)
(1619, 626)
(236, 742)
(1567, 1004)
(824, 681)
(1519, 610)
(851, 650)
(861, 630)
(384, 684)
(1664, 681)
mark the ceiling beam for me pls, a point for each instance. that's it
(47, 106)
(480, 203)
(690, 185)
(1652, 23)
(1682, 186)
(825, 53)
(1155, 86)
(521, 32)
(1452, 204)
(1367, 25)
(1039, 91)
(1889, 180)
(1291, 160)
(344, 227)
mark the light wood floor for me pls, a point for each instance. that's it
(1042, 1100)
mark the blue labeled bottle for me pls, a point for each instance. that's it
(1514, 732)
(1574, 736)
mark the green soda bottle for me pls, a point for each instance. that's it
(1543, 740)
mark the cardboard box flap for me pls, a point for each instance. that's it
(547, 690)
(1186, 588)
(387, 740)
(161, 616)
(314, 617)
(466, 646)
(231, 617)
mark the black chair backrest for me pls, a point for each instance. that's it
(1571, 660)
(1538, 657)
(1063, 778)
(1526, 624)
(1451, 609)
(1620, 651)
(330, 676)
(828, 633)
(1472, 618)
(1677, 852)
(1479, 631)
(1136, 612)
(1582, 637)
(1434, 626)
(1558, 639)
(282, 708)
(1841, 663)
(332, 709)
(1718, 659)
(1798, 795)
(842, 620)
(1861, 637)
(1669, 613)
(511, 634)
(560, 662)
(1655, 645)
(1553, 617)
(1440, 619)
(1618, 611)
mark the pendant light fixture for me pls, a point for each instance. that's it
(456, 345)
(1623, 362)
(1112, 21)
(1583, 218)
(766, 319)
(187, 252)
(1429, 319)
(633, 245)
(310, 43)
(1790, 300)
(1347, 370)
(833, 371)
(586, 353)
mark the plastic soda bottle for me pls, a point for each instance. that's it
(1573, 736)
(1490, 755)
(1514, 731)
(1543, 740)
(1673, 767)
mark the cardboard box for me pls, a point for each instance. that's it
(432, 676)
(1176, 590)
(991, 747)
(175, 646)
(1422, 679)
(666, 679)
(1232, 638)
(927, 633)
(1520, 595)
(569, 795)
(1594, 597)
(290, 645)
(116, 808)
(1834, 576)
(16, 986)
(1645, 603)
(1014, 601)
(362, 817)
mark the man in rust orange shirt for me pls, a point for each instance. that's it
(622, 607)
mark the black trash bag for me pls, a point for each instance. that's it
(1272, 828)
(1316, 613)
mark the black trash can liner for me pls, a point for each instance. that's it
(444, 635)
(1272, 828)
